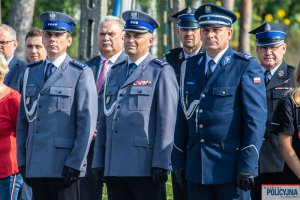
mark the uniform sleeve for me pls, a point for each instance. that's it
(180, 140)
(166, 94)
(86, 111)
(283, 120)
(254, 111)
(22, 134)
(99, 148)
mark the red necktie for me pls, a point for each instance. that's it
(102, 75)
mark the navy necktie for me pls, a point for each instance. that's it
(49, 70)
(267, 77)
(131, 68)
(209, 69)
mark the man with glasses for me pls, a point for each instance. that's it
(270, 48)
(8, 45)
(57, 115)
(221, 119)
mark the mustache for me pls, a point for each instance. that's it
(107, 43)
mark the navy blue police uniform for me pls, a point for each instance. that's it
(56, 121)
(175, 57)
(277, 86)
(221, 120)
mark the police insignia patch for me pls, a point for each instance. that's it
(207, 9)
(281, 73)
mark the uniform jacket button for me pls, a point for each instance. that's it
(200, 125)
(202, 140)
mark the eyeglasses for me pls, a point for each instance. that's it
(4, 43)
(272, 48)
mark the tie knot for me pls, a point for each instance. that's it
(131, 68)
(211, 63)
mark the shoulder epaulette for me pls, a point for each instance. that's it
(291, 66)
(160, 62)
(78, 64)
(243, 55)
(35, 63)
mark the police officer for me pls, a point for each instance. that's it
(270, 48)
(135, 135)
(221, 123)
(57, 115)
(110, 45)
(189, 34)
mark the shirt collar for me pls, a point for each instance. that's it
(140, 60)
(112, 59)
(190, 55)
(218, 57)
(9, 59)
(58, 61)
(274, 69)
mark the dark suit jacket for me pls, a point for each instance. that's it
(281, 83)
(14, 77)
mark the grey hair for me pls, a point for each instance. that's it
(3, 67)
(109, 18)
(11, 31)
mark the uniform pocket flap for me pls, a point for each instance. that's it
(63, 142)
(223, 91)
(141, 90)
(61, 91)
(30, 91)
(141, 141)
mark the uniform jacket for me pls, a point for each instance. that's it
(224, 133)
(139, 132)
(66, 114)
(14, 77)
(175, 58)
(280, 84)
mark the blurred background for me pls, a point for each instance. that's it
(24, 14)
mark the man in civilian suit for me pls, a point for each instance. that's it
(279, 80)
(8, 45)
(110, 45)
(136, 127)
(222, 117)
(57, 115)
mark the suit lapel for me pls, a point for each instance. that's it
(12, 68)
(96, 66)
(57, 73)
(39, 74)
(224, 61)
(279, 77)
(137, 73)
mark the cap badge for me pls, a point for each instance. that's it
(134, 15)
(207, 9)
(52, 16)
(267, 27)
(189, 10)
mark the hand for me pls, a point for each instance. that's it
(71, 175)
(99, 173)
(245, 181)
(159, 175)
(179, 176)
